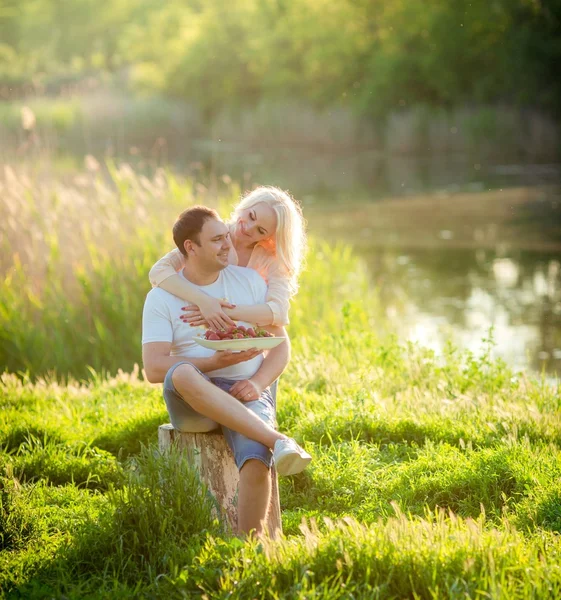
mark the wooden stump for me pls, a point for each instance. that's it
(214, 461)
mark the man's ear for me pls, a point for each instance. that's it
(188, 246)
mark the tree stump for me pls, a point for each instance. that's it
(213, 459)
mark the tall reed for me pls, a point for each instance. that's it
(76, 257)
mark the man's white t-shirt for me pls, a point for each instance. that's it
(161, 317)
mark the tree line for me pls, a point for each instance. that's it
(372, 55)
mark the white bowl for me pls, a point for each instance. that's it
(262, 343)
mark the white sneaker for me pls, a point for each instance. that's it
(289, 457)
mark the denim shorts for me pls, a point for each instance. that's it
(184, 418)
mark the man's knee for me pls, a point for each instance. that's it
(182, 376)
(254, 472)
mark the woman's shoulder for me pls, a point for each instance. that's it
(271, 263)
(263, 255)
(266, 263)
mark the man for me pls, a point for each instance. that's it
(204, 389)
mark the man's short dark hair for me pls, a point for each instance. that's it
(189, 224)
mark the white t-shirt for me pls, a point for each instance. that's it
(161, 317)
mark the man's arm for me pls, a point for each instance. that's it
(275, 361)
(274, 364)
(157, 360)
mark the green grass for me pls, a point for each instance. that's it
(399, 515)
(433, 477)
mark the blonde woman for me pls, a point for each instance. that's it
(267, 234)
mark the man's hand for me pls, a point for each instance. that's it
(246, 390)
(227, 358)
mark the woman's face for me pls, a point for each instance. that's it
(256, 224)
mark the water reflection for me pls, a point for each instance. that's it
(461, 294)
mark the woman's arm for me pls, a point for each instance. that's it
(164, 274)
(260, 314)
(272, 312)
(275, 310)
(166, 267)
(212, 310)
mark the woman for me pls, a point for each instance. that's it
(268, 235)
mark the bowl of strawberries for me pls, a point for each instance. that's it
(238, 337)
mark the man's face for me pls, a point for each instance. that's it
(214, 245)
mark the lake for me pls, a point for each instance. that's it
(459, 247)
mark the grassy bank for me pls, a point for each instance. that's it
(433, 477)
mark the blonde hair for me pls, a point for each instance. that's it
(290, 234)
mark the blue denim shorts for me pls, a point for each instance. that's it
(184, 418)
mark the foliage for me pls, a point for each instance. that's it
(375, 57)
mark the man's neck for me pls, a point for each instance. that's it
(199, 276)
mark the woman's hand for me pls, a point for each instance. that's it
(246, 390)
(209, 312)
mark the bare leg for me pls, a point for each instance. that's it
(254, 493)
(212, 402)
